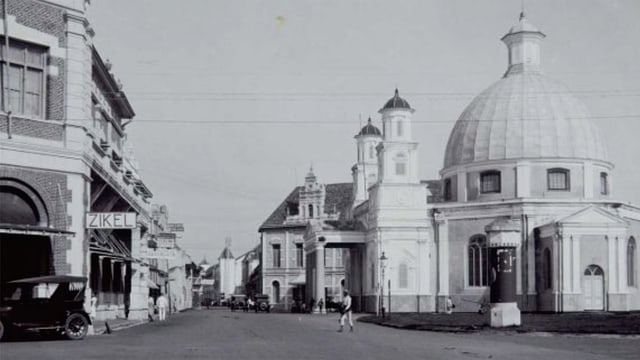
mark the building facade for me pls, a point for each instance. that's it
(283, 259)
(526, 182)
(65, 153)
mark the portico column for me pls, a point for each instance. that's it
(319, 275)
(504, 238)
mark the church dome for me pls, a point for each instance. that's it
(524, 115)
(396, 102)
(369, 129)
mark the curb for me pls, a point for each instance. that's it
(107, 329)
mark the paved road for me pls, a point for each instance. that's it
(218, 334)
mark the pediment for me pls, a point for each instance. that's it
(592, 216)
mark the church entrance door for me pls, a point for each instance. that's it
(593, 287)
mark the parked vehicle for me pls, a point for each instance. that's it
(46, 303)
(262, 303)
(238, 302)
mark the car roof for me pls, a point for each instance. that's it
(50, 279)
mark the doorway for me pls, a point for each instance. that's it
(593, 288)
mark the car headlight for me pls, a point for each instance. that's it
(5, 308)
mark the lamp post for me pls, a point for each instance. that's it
(383, 264)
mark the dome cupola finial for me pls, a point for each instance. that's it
(369, 129)
(523, 42)
(396, 102)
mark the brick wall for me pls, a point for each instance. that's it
(28, 127)
(48, 19)
(40, 16)
(53, 190)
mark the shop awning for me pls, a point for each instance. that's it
(152, 285)
(32, 230)
(106, 244)
(298, 280)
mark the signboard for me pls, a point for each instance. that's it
(175, 227)
(111, 220)
(149, 253)
(166, 240)
(206, 282)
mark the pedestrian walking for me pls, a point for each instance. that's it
(151, 305)
(449, 305)
(94, 307)
(321, 305)
(345, 311)
(162, 307)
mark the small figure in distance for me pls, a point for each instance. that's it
(449, 306)
(321, 305)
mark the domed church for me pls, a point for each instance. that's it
(525, 199)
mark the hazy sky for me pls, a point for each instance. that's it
(247, 69)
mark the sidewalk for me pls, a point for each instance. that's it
(571, 323)
(106, 326)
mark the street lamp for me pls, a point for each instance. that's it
(383, 264)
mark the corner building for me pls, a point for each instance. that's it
(524, 167)
(65, 153)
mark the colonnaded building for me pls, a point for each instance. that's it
(524, 167)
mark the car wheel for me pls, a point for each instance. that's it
(76, 327)
(263, 306)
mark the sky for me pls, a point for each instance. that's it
(235, 99)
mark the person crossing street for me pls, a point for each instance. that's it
(162, 307)
(345, 311)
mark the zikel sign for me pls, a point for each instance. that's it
(111, 220)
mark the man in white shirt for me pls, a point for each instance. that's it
(345, 310)
(162, 307)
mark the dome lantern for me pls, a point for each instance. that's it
(369, 130)
(396, 102)
(523, 43)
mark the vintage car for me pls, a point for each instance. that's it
(262, 303)
(238, 301)
(45, 304)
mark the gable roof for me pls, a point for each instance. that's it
(592, 215)
(338, 198)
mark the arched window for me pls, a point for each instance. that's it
(23, 205)
(403, 276)
(604, 183)
(490, 182)
(372, 152)
(546, 269)
(478, 261)
(631, 262)
(276, 291)
(558, 179)
(310, 210)
(399, 127)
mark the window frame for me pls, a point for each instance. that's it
(604, 183)
(276, 261)
(25, 65)
(477, 273)
(632, 280)
(400, 162)
(447, 190)
(484, 177)
(567, 179)
(299, 255)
